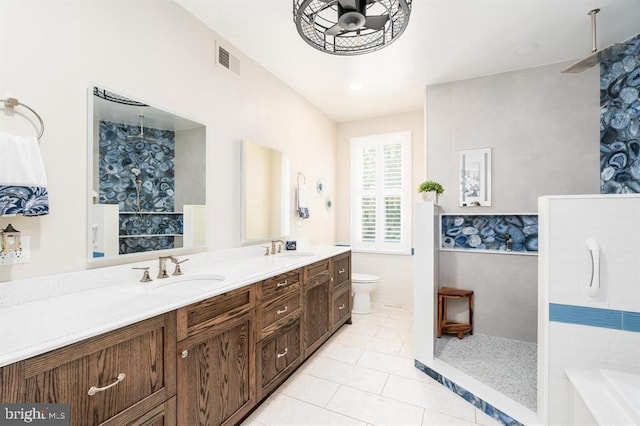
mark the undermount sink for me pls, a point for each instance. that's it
(294, 253)
(186, 280)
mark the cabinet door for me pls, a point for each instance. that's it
(317, 306)
(278, 355)
(216, 379)
(131, 370)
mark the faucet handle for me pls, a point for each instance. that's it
(177, 262)
(266, 253)
(145, 275)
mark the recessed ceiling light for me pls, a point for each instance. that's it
(355, 86)
(525, 49)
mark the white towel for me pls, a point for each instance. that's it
(23, 183)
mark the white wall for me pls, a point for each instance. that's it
(395, 271)
(566, 222)
(154, 51)
(543, 128)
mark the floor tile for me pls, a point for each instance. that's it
(284, 410)
(370, 342)
(395, 324)
(311, 389)
(393, 334)
(393, 365)
(432, 396)
(406, 351)
(341, 352)
(355, 376)
(363, 328)
(433, 418)
(374, 409)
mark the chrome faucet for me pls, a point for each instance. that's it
(162, 265)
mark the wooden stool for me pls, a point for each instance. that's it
(452, 327)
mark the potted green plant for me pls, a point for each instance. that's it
(430, 190)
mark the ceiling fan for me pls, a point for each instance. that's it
(351, 27)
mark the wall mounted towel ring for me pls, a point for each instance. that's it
(13, 102)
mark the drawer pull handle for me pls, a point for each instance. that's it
(94, 390)
(286, 308)
(341, 307)
(283, 353)
(341, 271)
(184, 354)
(282, 284)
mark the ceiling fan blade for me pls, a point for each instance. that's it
(348, 4)
(376, 22)
(333, 31)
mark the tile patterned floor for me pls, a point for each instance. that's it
(364, 375)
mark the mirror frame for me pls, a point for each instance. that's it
(478, 162)
(285, 189)
(139, 256)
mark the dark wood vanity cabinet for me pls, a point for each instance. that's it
(209, 363)
(216, 359)
(126, 376)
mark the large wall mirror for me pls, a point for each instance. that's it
(265, 193)
(147, 178)
(475, 177)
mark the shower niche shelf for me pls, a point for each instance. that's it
(513, 233)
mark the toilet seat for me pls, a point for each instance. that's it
(363, 278)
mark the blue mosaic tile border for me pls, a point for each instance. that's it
(595, 317)
(490, 232)
(487, 408)
(620, 121)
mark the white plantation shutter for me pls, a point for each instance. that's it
(381, 195)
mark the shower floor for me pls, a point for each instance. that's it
(508, 366)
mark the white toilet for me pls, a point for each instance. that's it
(362, 285)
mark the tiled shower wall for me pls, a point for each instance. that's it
(620, 121)
(121, 153)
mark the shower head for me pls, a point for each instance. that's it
(141, 136)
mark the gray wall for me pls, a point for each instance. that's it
(543, 128)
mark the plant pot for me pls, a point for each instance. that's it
(430, 196)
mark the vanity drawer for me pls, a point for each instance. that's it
(341, 270)
(278, 356)
(275, 312)
(341, 307)
(318, 273)
(202, 316)
(276, 286)
(111, 379)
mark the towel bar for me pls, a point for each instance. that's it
(13, 102)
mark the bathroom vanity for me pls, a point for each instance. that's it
(208, 361)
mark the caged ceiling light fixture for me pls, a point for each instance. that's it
(350, 27)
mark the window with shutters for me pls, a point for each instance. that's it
(381, 193)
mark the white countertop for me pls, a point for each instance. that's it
(68, 308)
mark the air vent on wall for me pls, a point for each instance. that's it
(225, 59)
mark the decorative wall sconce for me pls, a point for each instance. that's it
(10, 238)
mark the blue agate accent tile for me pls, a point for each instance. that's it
(490, 232)
(620, 121)
(487, 408)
